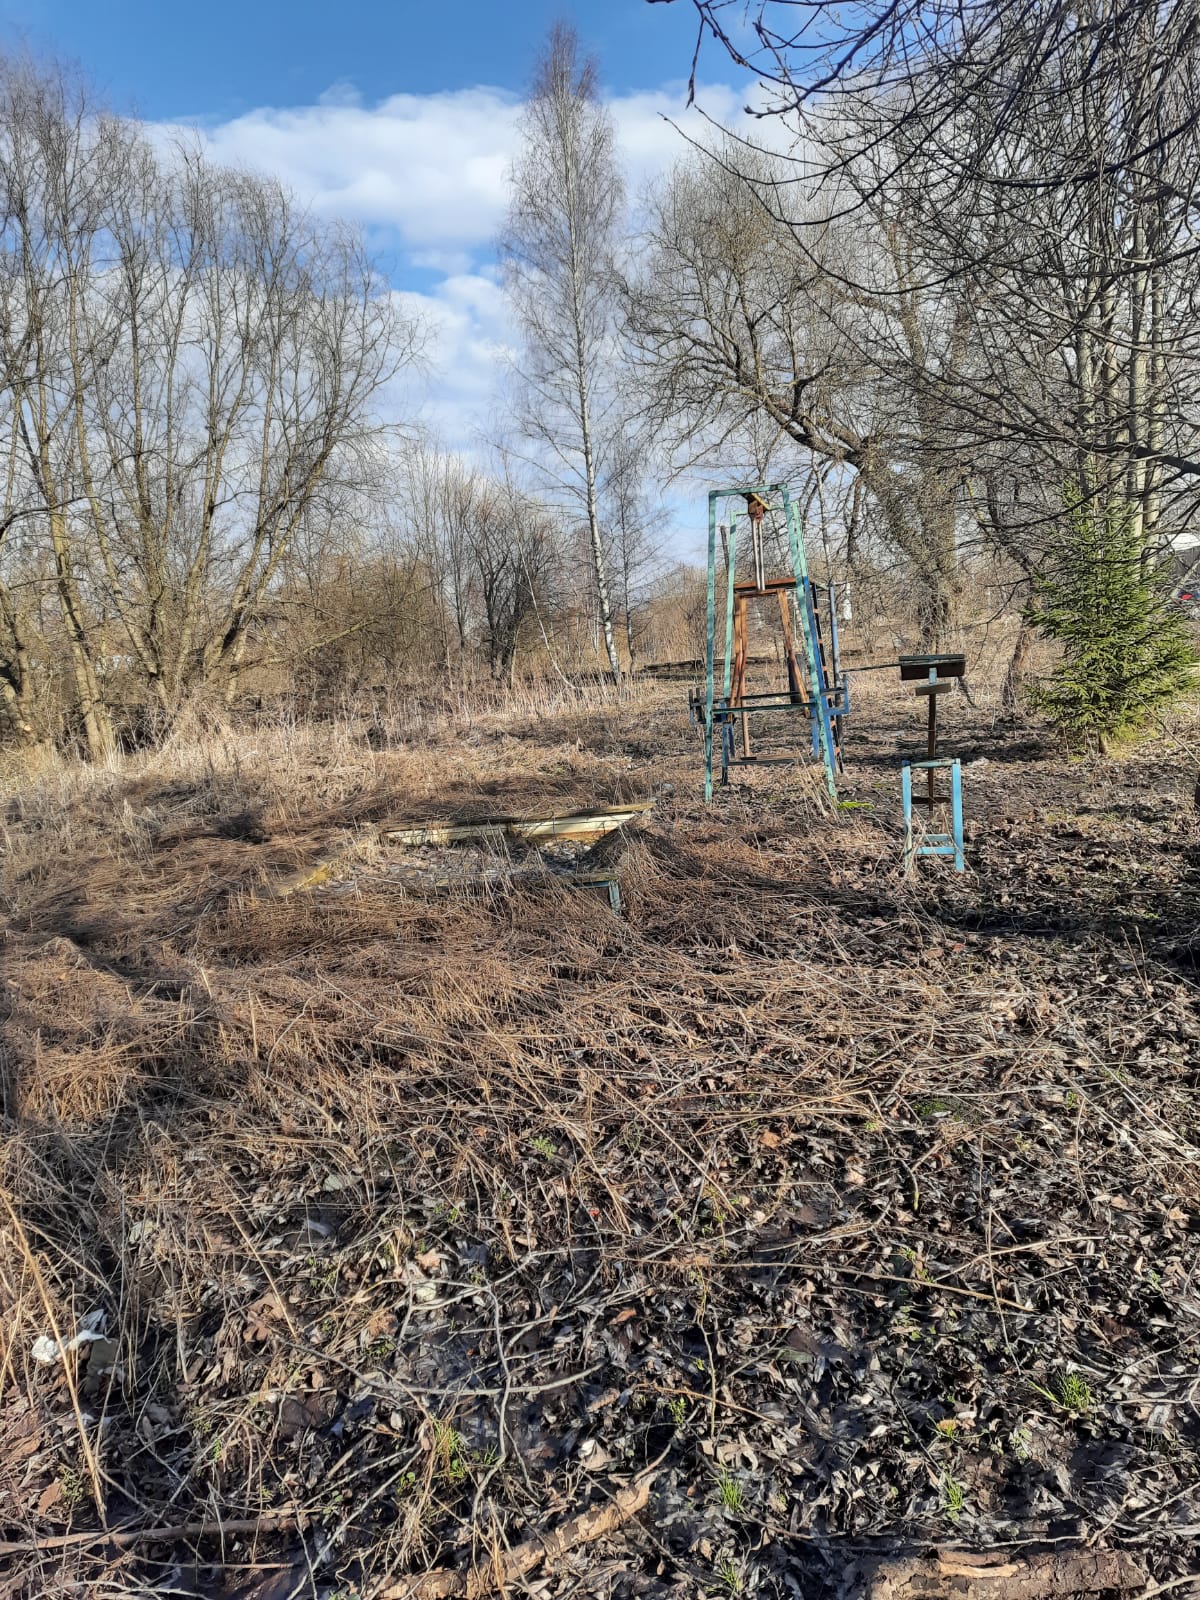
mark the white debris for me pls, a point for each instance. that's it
(91, 1328)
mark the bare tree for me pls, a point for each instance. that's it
(1043, 161)
(51, 197)
(192, 368)
(558, 248)
(1048, 157)
(491, 554)
(750, 341)
(437, 495)
(948, 81)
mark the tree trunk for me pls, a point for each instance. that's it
(1018, 664)
(20, 721)
(593, 515)
(97, 723)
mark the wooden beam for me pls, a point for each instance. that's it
(589, 824)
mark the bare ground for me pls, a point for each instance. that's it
(408, 1226)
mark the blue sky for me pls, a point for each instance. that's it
(400, 117)
(228, 56)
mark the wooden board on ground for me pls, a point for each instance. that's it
(589, 824)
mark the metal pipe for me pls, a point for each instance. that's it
(710, 645)
(932, 740)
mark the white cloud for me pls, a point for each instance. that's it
(433, 167)
(472, 339)
(654, 128)
(425, 175)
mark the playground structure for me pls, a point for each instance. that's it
(816, 688)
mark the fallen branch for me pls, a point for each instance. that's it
(1039, 1576)
(268, 1522)
(1172, 1583)
(444, 1583)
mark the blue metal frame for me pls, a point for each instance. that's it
(710, 646)
(826, 699)
(730, 570)
(933, 844)
(840, 678)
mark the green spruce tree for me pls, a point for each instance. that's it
(1126, 649)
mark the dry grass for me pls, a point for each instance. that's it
(364, 1180)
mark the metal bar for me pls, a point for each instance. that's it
(770, 586)
(795, 682)
(827, 678)
(816, 684)
(932, 727)
(740, 491)
(769, 694)
(956, 815)
(758, 703)
(827, 748)
(800, 573)
(709, 644)
(767, 761)
(741, 648)
(815, 617)
(840, 681)
(906, 802)
(835, 641)
(771, 703)
(730, 571)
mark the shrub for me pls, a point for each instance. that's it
(1126, 649)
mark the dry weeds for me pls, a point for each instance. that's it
(413, 1225)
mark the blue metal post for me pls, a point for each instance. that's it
(835, 641)
(729, 606)
(730, 579)
(709, 635)
(906, 797)
(818, 688)
(960, 862)
(841, 683)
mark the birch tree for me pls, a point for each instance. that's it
(558, 251)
